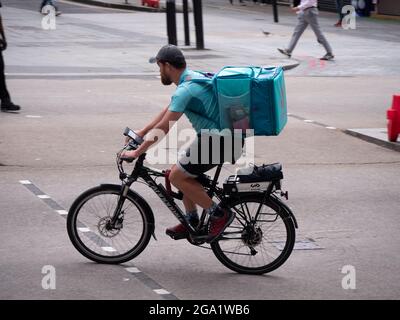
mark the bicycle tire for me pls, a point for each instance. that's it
(224, 256)
(78, 237)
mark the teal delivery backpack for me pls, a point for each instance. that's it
(252, 98)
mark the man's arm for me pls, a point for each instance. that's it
(164, 125)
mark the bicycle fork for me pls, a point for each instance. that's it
(118, 215)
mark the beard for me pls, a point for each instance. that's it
(166, 80)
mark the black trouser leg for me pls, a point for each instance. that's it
(4, 95)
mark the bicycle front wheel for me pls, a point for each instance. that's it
(256, 245)
(90, 230)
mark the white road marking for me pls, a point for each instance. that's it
(84, 229)
(161, 291)
(32, 116)
(133, 270)
(62, 212)
(108, 249)
(309, 121)
(331, 128)
(43, 196)
(25, 182)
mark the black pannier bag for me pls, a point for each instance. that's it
(258, 180)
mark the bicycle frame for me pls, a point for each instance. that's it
(147, 174)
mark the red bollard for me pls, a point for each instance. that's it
(393, 116)
(151, 3)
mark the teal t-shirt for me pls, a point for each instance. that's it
(197, 101)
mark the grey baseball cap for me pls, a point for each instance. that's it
(169, 53)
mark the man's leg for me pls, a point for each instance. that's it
(339, 6)
(191, 211)
(4, 95)
(312, 18)
(298, 31)
(180, 180)
(194, 191)
(188, 204)
(6, 104)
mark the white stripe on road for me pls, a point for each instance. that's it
(43, 196)
(331, 128)
(109, 249)
(309, 121)
(25, 182)
(161, 291)
(133, 270)
(84, 229)
(62, 212)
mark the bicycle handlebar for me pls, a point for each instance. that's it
(134, 143)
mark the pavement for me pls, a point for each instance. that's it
(262, 38)
(80, 85)
(135, 5)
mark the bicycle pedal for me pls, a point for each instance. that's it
(176, 236)
(200, 238)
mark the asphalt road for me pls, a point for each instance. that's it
(344, 191)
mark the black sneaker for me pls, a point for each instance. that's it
(285, 52)
(9, 106)
(328, 57)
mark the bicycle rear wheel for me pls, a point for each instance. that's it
(89, 228)
(253, 246)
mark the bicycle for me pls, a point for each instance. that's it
(113, 224)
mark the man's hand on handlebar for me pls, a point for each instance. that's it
(135, 145)
(131, 154)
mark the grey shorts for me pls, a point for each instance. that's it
(209, 150)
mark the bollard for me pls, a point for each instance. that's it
(198, 22)
(186, 22)
(275, 10)
(171, 22)
(150, 3)
(393, 116)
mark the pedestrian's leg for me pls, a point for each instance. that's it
(298, 31)
(339, 6)
(4, 95)
(311, 16)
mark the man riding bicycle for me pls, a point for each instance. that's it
(199, 103)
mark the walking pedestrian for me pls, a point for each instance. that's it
(307, 14)
(339, 6)
(6, 104)
(49, 3)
